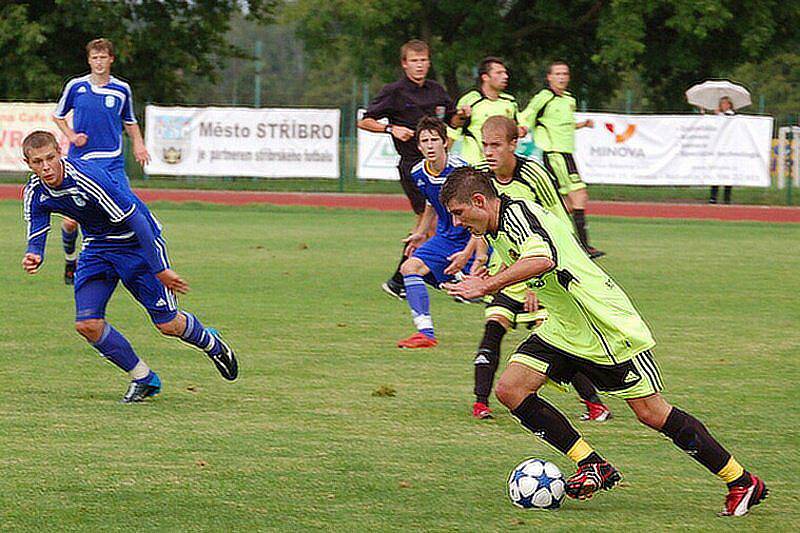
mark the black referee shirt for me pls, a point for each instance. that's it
(404, 103)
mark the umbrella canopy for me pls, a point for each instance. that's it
(708, 93)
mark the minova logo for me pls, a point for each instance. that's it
(619, 149)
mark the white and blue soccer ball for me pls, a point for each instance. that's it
(536, 484)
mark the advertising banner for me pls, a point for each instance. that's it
(675, 149)
(236, 141)
(17, 120)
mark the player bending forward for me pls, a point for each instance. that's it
(122, 242)
(592, 328)
(430, 256)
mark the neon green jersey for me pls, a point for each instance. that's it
(482, 108)
(590, 316)
(552, 118)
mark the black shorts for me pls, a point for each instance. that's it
(413, 194)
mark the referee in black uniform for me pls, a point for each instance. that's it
(404, 103)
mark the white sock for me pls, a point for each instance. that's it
(140, 371)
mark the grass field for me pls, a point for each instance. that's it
(301, 443)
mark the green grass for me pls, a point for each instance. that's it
(300, 443)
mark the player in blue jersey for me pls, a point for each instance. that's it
(428, 257)
(102, 105)
(122, 242)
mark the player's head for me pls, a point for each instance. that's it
(470, 197)
(415, 58)
(492, 73)
(100, 55)
(558, 75)
(431, 136)
(43, 156)
(499, 138)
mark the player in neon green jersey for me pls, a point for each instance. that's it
(551, 115)
(487, 100)
(592, 328)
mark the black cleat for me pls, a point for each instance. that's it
(594, 253)
(138, 391)
(69, 272)
(225, 361)
(394, 289)
(591, 478)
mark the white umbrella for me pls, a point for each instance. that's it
(708, 93)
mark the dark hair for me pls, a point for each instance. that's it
(501, 123)
(463, 182)
(556, 63)
(414, 45)
(433, 124)
(38, 139)
(486, 65)
(100, 44)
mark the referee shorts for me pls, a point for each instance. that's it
(637, 377)
(563, 167)
(415, 197)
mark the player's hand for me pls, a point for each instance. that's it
(79, 139)
(458, 261)
(589, 123)
(402, 133)
(522, 131)
(171, 280)
(478, 267)
(141, 154)
(469, 288)
(464, 112)
(31, 263)
(531, 304)
(413, 242)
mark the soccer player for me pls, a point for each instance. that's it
(404, 103)
(486, 100)
(592, 327)
(551, 114)
(102, 105)
(519, 178)
(122, 243)
(430, 256)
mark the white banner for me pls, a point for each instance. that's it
(674, 149)
(17, 120)
(377, 158)
(236, 141)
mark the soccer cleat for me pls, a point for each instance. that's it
(481, 411)
(594, 253)
(69, 272)
(740, 499)
(394, 289)
(591, 478)
(139, 390)
(225, 361)
(417, 340)
(595, 412)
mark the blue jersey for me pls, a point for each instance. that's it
(100, 113)
(91, 195)
(430, 185)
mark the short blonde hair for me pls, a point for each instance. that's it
(414, 45)
(100, 44)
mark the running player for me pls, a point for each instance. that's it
(592, 327)
(102, 106)
(551, 114)
(122, 242)
(430, 256)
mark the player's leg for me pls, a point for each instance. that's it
(487, 359)
(596, 410)
(413, 272)
(712, 199)
(69, 240)
(188, 328)
(95, 283)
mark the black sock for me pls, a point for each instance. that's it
(547, 422)
(742, 481)
(585, 388)
(579, 216)
(691, 436)
(397, 277)
(487, 359)
(431, 280)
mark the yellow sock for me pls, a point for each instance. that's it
(731, 471)
(581, 450)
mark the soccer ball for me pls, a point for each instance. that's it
(536, 484)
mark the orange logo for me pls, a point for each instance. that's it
(621, 137)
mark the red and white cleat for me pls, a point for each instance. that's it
(595, 412)
(740, 499)
(481, 411)
(417, 340)
(591, 478)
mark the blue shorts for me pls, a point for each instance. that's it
(434, 253)
(99, 270)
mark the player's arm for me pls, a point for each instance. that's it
(38, 221)
(78, 139)
(529, 113)
(588, 123)
(139, 149)
(383, 107)
(64, 106)
(523, 269)
(421, 232)
(140, 226)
